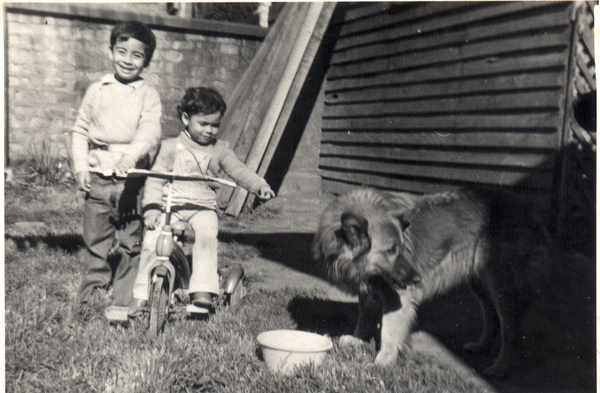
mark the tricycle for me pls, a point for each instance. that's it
(171, 271)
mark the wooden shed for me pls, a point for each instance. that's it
(424, 97)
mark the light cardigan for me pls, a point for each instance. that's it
(115, 118)
(184, 155)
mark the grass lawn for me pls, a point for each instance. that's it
(50, 347)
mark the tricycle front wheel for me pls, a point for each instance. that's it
(159, 305)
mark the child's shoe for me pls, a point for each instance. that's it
(136, 308)
(202, 299)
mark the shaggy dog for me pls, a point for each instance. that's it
(396, 250)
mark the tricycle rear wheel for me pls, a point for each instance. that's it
(236, 298)
(234, 287)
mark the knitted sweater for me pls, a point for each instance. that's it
(184, 155)
(115, 118)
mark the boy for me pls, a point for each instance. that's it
(195, 150)
(118, 126)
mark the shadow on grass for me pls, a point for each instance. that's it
(556, 348)
(453, 318)
(69, 243)
(543, 364)
(292, 250)
(322, 316)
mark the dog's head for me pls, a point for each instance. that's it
(369, 250)
(379, 246)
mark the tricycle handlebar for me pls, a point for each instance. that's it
(163, 175)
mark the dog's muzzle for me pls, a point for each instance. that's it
(399, 278)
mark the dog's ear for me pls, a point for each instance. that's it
(356, 232)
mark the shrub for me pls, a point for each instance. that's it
(45, 164)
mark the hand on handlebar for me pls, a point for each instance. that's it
(126, 163)
(152, 219)
(266, 193)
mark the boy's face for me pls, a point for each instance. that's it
(202, 128)
(128, 59)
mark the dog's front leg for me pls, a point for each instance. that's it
(399, 314)
(369, 316)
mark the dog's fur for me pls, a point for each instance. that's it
(396, 250)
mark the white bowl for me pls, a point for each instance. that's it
(283, 350)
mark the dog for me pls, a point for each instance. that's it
(395, 250)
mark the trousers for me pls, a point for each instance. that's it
(112, 215)
(205, 277)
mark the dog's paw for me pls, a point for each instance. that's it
(386, 357)
(350, 341)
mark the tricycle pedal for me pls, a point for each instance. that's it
(196, 310)
(116, 313)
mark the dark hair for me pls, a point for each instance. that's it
(126, 30)
(201, 100)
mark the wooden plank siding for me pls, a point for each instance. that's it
(429, 96)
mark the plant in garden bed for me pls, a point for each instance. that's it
(46, 165)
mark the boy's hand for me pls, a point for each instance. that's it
(84, 179)
(125, 163)
(152, 219)
(265, 193)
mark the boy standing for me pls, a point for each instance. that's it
(118, 126)
(195, 151)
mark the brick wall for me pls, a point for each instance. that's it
(53, 52)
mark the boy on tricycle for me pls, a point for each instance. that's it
(195, 151)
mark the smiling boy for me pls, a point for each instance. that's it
(117, 127)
